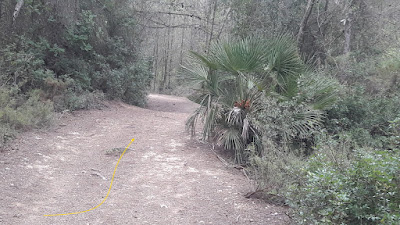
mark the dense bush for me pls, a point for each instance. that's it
(76, 101)
(129, 84)
(365, 118)
(73, 62)
(22, 112)
(273, 171)
(364, 190)
(289, 124)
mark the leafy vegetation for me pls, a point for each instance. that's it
(330, 150)
(364, 190)
(70, 63)
(22, 112)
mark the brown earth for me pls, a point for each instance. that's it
(166, 177)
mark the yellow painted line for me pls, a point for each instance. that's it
(109, 189)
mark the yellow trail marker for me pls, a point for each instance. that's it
(109, 189)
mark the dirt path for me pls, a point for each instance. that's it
(167, 178)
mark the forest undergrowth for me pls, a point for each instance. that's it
(51, 64)
(329, 149)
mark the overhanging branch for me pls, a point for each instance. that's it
(170, 13)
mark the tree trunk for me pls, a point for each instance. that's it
(347, 36)
(348, 22)
(171, 43)
(303, 24)
(182, 43)
(161, 87)
(166, 56)
(18, 7)
(212, 25)
(192, 30)
(155, 63)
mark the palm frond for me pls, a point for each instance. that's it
(246, 129)
(283, 57)
(319, 91)
(305, 124)
(202, 60)
(231, 138)
(285, 64)
(191, 122)
(235, 117)
(247, 55)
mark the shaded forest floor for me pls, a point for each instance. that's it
(167, 178)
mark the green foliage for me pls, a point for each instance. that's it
(354, 176)
(129, 84)
(365, 191)
(376, 74)
(273, 171)
(73, 58)
(22, 112)
(366, 118)
(241, 56)
(71, 101)
(79, 36)
(284, 62)
(81, 56)
(22, 65)
(394, 129)
(390, 62)
(288, 124)
(317, 90)
(294, 122)
(388, 74)
(6, 134)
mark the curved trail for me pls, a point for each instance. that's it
(167, 178)
(108, 193)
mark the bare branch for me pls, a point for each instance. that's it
(170, 13)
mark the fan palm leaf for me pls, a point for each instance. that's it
(242, 56)
(284, 64)
(319, 91)
(306, 123)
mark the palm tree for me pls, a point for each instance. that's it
(232, 78)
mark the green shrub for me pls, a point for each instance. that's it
(394, 127)
(272, 172)
(129, 84)
(289, 124)
(364, 190)
(389, 71)
(365, 117)
(22, 112)
(6, 134)
(77, 101)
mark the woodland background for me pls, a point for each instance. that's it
(305, 94)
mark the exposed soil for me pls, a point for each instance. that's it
(166, 177)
